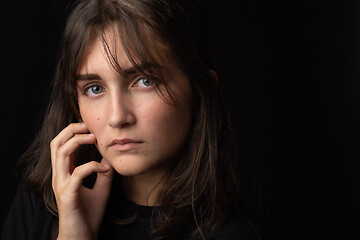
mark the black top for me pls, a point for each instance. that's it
(28, 218)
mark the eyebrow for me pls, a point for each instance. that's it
(147, 67)
(87, 77)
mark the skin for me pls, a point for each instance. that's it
(115, 107)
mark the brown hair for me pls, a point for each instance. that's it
(204, 182)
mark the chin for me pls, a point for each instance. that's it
(129, 165)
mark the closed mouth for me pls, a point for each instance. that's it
(124, 144)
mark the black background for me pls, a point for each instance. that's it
(292, 74)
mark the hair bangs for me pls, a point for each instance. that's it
(146, 54)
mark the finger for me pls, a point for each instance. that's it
(64, 136)
(104, 180)
(67, 133)
(81, 172)
(63, 163)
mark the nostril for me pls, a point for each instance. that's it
(121, 124)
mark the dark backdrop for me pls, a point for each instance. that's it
(292, 74)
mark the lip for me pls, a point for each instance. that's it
(124, 144)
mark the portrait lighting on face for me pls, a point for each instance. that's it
(140, 135)
(137, 130)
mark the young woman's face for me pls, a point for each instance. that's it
(136, 130)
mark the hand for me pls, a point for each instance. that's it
(80, 209)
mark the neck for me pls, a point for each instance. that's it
(143, 189)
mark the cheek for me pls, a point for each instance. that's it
(94, 120)
(169, 124)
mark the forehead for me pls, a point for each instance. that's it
(122, 51)
(104, 51)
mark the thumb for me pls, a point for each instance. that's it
(104, 180)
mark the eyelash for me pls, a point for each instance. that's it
(144, 78)
(88, 87)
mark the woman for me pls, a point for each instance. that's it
(140, 138)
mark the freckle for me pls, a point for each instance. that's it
(98, 119)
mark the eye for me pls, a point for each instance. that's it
(144, 82)
(93, 90)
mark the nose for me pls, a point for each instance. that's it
(120, 111)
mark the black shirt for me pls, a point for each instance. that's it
(28, 218)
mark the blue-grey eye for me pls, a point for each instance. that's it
(144, 82)
(94, 90)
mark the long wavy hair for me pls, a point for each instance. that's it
(204, 183)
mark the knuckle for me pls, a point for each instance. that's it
(53, 143)
(61, 152)
(76, 137)
(73, 126)
(75, 142)
(76, 172)
(93, 164)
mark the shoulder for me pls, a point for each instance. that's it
(236, 227)
(27, 217)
